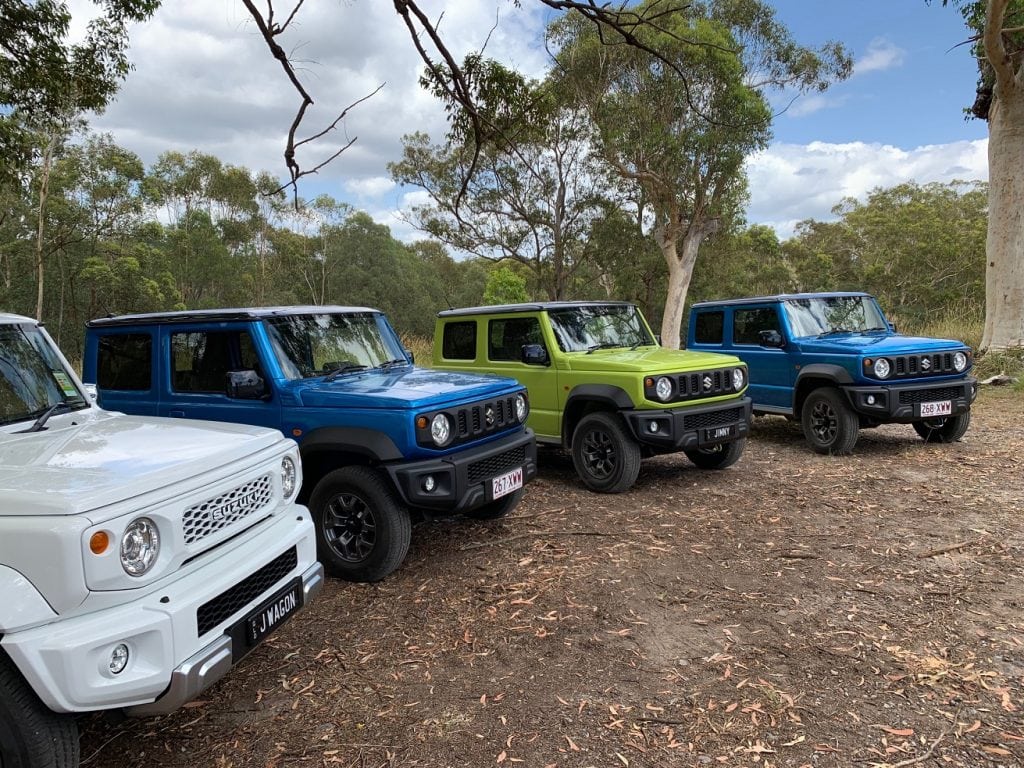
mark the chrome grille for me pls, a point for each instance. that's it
(207, 517)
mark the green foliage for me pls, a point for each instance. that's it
(504, 286)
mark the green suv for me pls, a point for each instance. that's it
(601, 386)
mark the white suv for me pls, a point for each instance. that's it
(140, 558)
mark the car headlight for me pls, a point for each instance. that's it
(738, 379)
(663, 388)
(289, 477)
(140, 545)
(440, 430)
(882, 368)
(960, 362)
(522, 407)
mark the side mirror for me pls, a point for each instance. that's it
(892, 327)
(657, 337)
(409, 355)
(534, 354)
(245, 385)
(771, 338)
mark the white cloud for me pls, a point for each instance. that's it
(793, 182)
(371, 186)
(881, 54)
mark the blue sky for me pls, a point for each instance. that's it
(204, 80)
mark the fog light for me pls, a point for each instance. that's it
(653, 426)
(429, 483)
(119, 658)
(871, 399)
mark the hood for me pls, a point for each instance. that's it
(90, 459)
(649, 360)
(409, 387)
(878, 345)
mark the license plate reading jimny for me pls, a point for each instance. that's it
(272, 613)
(505, 484)
(937, 408)
(717, 433)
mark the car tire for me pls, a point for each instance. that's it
(31, 736)
(605, 455)
(948, 429)
(718, 457)
(497, 508)
(829, 425)
(362, 530)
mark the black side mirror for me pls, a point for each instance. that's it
(409, 355)
(770, 338)
(892, 327)
(534, 354)
(245, 385)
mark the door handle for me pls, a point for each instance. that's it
(176, 414)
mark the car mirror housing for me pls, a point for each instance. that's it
(771, 338)
(245, 385)
(535, 354)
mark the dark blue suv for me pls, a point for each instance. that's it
(834, 362)
(382, 441)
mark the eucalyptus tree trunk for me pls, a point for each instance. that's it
(680, 250)
(44, 189)
(1004, 245)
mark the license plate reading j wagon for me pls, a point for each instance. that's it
(937, 408)
(505, 484)
(273, 613)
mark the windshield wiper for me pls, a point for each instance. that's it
(876, 328)
(44, 417)
(835, 332)
(392, 363)
(641, 344)
(604, 345)
(347, 368)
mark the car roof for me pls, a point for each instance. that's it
(536, 306)
(7, 318)
(222, 315)
(779, 297)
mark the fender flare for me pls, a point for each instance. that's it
(370, 443)
(829, 371)
(601, 393)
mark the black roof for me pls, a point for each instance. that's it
(221, 315)
(536, 306)
(779, 297)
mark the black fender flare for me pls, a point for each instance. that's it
(616, 397)
(829, 371)
(371, 443)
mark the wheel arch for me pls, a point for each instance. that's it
(813, 377)
(330, 448)
(585, 399)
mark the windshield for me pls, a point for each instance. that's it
(834, 315)
(584, 329)
(331, 345)
(32, 376)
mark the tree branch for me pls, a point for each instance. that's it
(995, 51)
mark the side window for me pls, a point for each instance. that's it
(747, 324)
(505, 338)
(125, 362)
(708, 329)
(200, 360)
(459, 341)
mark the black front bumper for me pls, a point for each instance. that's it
(462, 481)
(689, 427)
(901, 403)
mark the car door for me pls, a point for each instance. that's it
(195, 374)
(771, 375)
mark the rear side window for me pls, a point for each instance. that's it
(125, 362)
(505, 338)
(200, 360)
(708, 328)
(747, 324)
(459, 341)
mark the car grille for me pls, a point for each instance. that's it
(710, 419)
(691, 386)
(906, 366)
(914, 396)
(496, 465)
(227, 603)
(208, 517)
(483, 418)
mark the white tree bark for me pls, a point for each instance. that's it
(680, 255)
(1004, 248)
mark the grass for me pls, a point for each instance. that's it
(421, 347)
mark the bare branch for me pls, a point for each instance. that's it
(995, 51)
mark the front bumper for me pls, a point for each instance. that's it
(691, 427)
(901, 403)
(462, 480)
(170, 659)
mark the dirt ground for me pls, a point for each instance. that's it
(794, 610)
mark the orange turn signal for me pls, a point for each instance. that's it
(421, 422)
(648, 382)
(99, 542)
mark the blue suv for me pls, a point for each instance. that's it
(382, 441)
(834, 362)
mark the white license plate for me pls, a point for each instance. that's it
(505, 484)
(938, 408)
